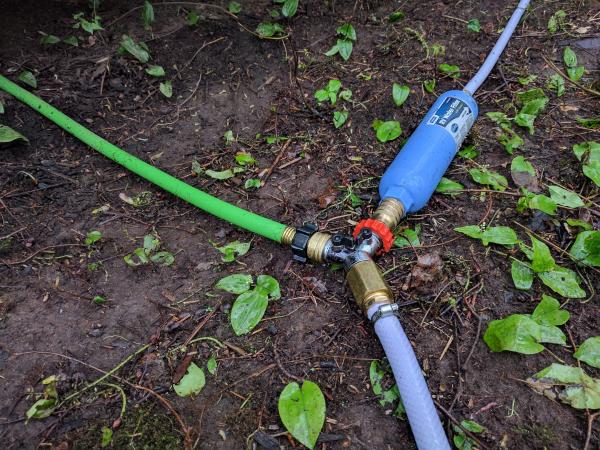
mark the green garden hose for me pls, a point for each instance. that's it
(212, 205)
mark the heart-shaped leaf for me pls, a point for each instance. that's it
(302, 411)
(236, 284)
(191, 383)
(247, 310)
(589, 352)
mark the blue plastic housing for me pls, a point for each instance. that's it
(419, 166)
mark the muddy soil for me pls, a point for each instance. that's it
(77, 311)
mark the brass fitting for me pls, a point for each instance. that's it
(367, 285)
(315, 249)
(288, 235)
(389, 211)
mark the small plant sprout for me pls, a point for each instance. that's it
(149, 253)
(400, 94)
(574, 71)
(234, 7)
(345, 42)
(90, 26)
(387, 131)
(474, 26)
(251, 304)
(28, 78)
(92, 237)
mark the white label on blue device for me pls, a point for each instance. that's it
(455, 117)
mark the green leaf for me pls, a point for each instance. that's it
(192, 18)
(289, 8)
(151, 243)
(344, 47)
(234, 7)
(147, 14)
(107, 435)
(548, 312)
(511, 141)
(244, 159)
(473, 231)
(522, 275)
(235, 284)
(499, 235)
(28, 78)
(563, 281)
(573, 386)
(49, 39)
(565, 197)
(586, 248)
(527, 80)
(376, 377)
(575, 73)
(472, 426)
(268, 286)
(429, 86)
(163, 258)
(451, 71)
(489, 178)
(569, 57)
(192, 382)
(166, 89)
(589, 123)
(438, 50)
(155, 71)
(1, 107)
(221, 175)
(7, 134)
(400, 93)
(592, 171)
(211, 365)
(268, 29)
(72, 41)
(247, 311)
(41, 408)
(387, 131)
(302, 411)
(543, 203)
(556, 21)
(396, 16)
(523, 173)
(138, 51)
(408, 238)
(92, 237)
(577, 223)
(499, 118)
(232, 249)
(587, 152)
(474, 26)
(348, 31)
(589, 352)
(516, 333)
(339, 118)
(556, 83)
(449, 187)
(469, 152)
(346, 94)
(252, 183)
(541, 259)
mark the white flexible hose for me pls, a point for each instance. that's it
(494, 55)
(420, 410)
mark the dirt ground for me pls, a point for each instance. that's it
(226, 78)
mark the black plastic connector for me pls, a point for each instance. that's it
(300, 241)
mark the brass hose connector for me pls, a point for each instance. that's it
(390, 211)
(368, 286)
(315, 249)
(288, 235)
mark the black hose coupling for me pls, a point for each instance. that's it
(300, 241)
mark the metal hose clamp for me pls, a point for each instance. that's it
(390, 309)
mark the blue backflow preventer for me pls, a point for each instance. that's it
(416, 171)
